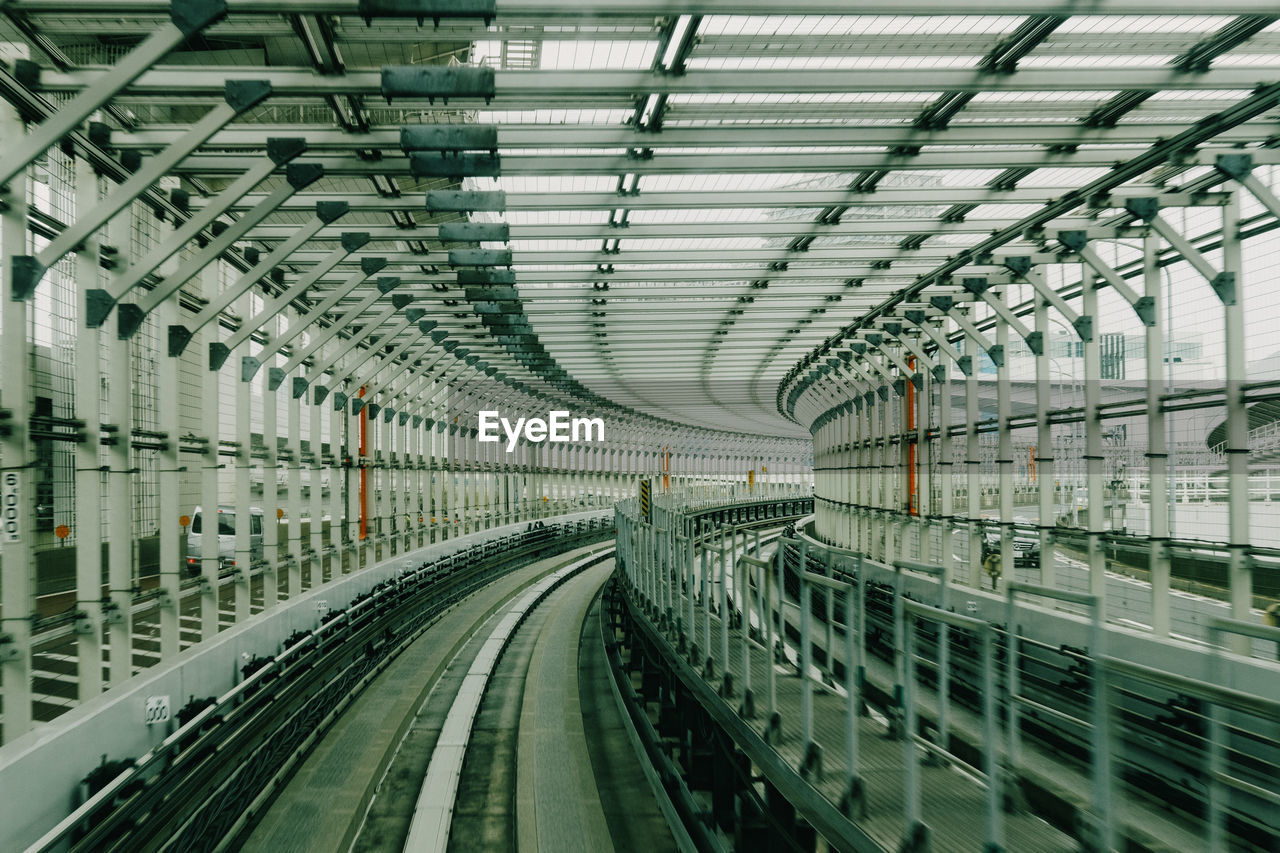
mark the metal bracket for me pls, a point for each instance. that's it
(179, 337)
(1224, 284)
(282, 149)
(129, 319)
(25, 274)
(1145, 209)
(1236, 166)
(218, 355)
(302, 175)
(242, 95)
(462, 201)
(97, 306)
(330, 211)
(192, 16)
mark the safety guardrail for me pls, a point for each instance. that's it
(194, 788)
(814, 621)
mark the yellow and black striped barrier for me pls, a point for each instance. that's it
(646, 501)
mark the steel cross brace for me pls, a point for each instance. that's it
(349, 344)
(1022, 267)
(408, 378)
(1078, 242)
(1239, 167)
(981, 287)
(350, 242)
(187, 17)
(385, 285)
(28, 271)
(896, 358)
(825, 397)
(325, 215)
(379, 366)
(129, 316)
(946, 303)
(936, 368)
(890, 381)
(445, 379)
(250, 364)
(99, 302)
(857, 350)
(921, 317)
(1148, 210)
(374, 367)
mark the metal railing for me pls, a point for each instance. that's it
(1143, 752)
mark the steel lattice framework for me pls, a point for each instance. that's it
(727, 226)
(697, 198)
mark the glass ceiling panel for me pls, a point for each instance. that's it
(553, 217)
(1102, 24)
(865, 63)
(734, 182)
(735, 214)
(555, 245)
(877, 24)
(576, 55)
(537, 184)
(672, 239)
(553, 117)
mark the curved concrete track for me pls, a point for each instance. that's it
(548, 766)
(323, 805)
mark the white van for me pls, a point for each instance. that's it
(226, 538)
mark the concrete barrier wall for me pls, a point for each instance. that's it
(40, 771)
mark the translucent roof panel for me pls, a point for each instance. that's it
(719, 206)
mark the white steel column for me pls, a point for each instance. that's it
(293, 511)
(120, 530)
(1094, 480)
(946, 473)
(172, 566)
(1004, 452)
(270, 488)
(1157, 442)
(243, 573)
(17, 492)
(210, 399)
(88, 525)
(973, 466)
(1044, 461)
(321, 565)
(1240, 581)
(337, 552)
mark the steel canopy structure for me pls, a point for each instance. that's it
(309, 240)
(700, 156)
(991, 290)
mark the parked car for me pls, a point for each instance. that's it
(226, 538)
(1026, 542)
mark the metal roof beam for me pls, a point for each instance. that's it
(542, 136)
(620, 86)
